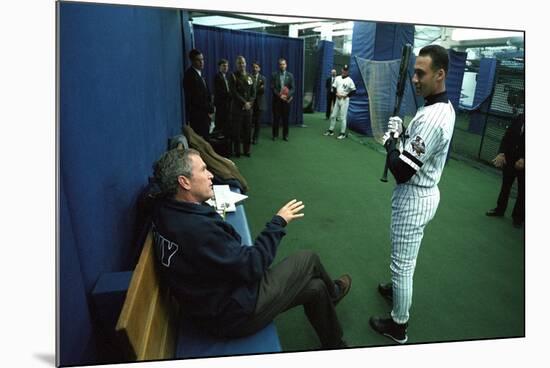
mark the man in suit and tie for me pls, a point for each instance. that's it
(259, 102)
(198, 102)
(511, 159)
(282, 87)
(222, 101)
(331, 93)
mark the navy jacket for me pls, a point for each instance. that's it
(201, 258)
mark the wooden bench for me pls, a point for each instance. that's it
(150, 326)
(147, 325)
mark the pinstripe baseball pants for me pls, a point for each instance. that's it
(339, 112)
(413, 208)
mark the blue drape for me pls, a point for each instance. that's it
(457, 63)
(120, 100)
(362, 46)
(374, 41)
(216, 43)
(325, 51)
(482, 97)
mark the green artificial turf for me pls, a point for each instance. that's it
(469, 279)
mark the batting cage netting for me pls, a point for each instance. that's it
(380, 79)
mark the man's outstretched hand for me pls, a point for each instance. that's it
(290, 211)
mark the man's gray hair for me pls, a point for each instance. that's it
(172, 164)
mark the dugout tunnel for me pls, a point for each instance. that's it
(120, 71)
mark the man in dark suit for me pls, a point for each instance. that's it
(259, 102)
(198, 102)
(222, 101)
(282, 87)
(511, 159)
(331, 94)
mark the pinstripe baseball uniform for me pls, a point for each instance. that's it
(415, 201)
(342, 86)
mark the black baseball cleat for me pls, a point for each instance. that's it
(387, 327)
(386, 290)
(494, 213)
(343, 285)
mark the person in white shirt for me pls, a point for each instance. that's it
(344, 88)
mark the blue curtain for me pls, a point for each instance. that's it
(216, 43)
(362, 46)
(373, 41)
(482, 97)
(120, 100)
(457, 63)
(325, 51)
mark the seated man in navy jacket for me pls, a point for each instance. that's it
(227, 288)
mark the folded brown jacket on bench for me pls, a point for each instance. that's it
(218, 165)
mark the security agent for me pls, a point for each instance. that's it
(226, 288)
(511, 159)
(198, 101)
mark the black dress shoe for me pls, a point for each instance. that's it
(494, 213)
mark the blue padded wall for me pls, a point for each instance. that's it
(486, 78)
(325, 51)
(120, 99)
(457, 63)
(374, 41)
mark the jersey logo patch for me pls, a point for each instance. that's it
(418, 146)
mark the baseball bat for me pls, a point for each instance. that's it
(401, 82)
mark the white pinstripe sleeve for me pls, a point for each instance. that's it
(425, 139)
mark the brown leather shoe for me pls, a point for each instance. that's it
(344, 285)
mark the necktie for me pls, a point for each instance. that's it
(282, 80)
(225, 80)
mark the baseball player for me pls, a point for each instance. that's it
(417, 165)
(345, 88)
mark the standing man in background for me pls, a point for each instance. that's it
(331, 95)
(282, 87)
(417, 168)
(222, 101)
(344, 88)
(511, 159)
(198, 102)
(259, 102)
(243, 94)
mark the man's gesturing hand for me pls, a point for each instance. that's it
(290, 211)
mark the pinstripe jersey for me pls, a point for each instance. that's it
(427, 140)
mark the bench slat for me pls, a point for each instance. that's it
(147, 313)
